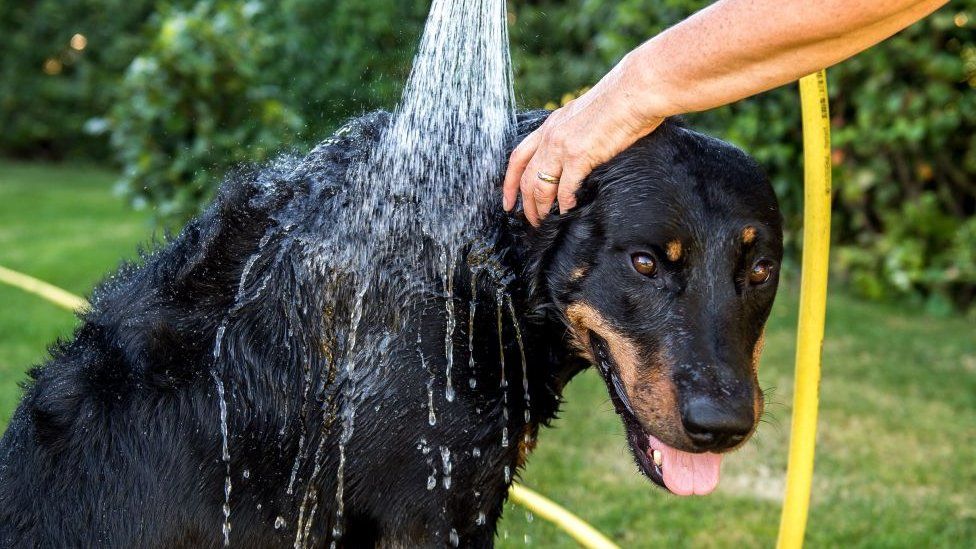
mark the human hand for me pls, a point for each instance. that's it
(554, 159)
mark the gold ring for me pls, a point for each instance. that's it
(547, 178)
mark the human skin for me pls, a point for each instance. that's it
(728, 51)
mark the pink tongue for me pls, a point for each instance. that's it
(686, 473)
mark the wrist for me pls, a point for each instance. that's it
(647, 87)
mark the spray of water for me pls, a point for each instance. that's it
(427, 180)
(438, 162)
(421, 191)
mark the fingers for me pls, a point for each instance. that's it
(569, 183)
(516, 167)
(538, 195)
(548, 152)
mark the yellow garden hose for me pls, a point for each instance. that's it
(49, 292)
(813, 306)
(583, 533)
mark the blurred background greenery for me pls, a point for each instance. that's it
(156, 99)
(175, 92)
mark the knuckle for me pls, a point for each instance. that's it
(567, 192)
(576, 153)
(540, 192)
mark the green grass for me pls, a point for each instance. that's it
(62, 225)
(896, 462)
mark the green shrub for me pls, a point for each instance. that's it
(339, 58)
(197, 103)
(51, 82)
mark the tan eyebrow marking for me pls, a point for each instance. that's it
(578, 273)
(749, 234)
(674, 250)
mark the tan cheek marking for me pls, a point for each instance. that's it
(758, 400)
(650, 390)
(749, 235)
(583, 319)
(577, 273)
(674, 250)
(657, 400)
(757, 350)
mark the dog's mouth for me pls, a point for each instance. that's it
(680, 472)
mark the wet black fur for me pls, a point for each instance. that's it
(117, 441)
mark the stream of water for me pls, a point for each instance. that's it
(425, 183)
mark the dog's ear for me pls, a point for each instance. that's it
(588, 191)
(550, 267)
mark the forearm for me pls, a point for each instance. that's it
(737, 48)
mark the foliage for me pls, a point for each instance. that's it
(904, 112)
(339, 58)
(225, 83)
(197, 104)
(59, 65)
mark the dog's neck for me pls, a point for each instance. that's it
(522, 253)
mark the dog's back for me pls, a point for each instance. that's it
(118, 439)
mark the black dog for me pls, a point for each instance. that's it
(662, 277)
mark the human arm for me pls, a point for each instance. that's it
(728, 51)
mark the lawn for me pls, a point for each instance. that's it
(896, 463)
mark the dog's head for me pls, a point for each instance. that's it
(665, 274)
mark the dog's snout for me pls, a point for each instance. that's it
(714, 425)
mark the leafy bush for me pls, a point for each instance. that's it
(341, 58)
(197, 103)
(224, 83)
(59, 66)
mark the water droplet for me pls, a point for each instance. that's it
(480, 521)
(446, 462)
(279, 523)
(455, 541)
(447, 273)
(246, 473)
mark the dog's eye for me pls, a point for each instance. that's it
(644, 264)
(761, 271)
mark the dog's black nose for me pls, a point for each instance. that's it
(714, 426)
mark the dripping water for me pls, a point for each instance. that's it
(447, 275)
(225, 451)
(499, 298)
(526, 399)
(349, 412)
(472, 308)
(447, 467)
(431, 413)
(428, 178)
